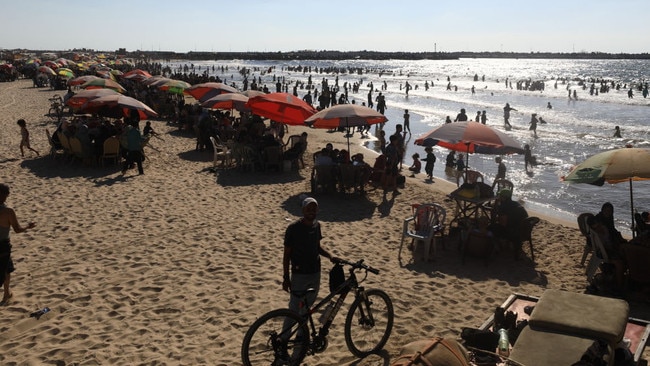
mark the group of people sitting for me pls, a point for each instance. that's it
(340, 161)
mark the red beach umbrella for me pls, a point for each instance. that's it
(205, 91)
(345, 115)
(46, 70)
(118, 106)
(103, 83)
(471, 137)
(227, 101)
(79, 99)
(281, 107)
(82, 79)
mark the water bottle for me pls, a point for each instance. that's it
(327, 311)
(504, 343)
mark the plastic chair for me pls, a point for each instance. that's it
(599, 255)
(427, 220)
(272, 157)
(470, 176)
(221, 153)
(527, 233)
(111, 150)
(502, 183)
(584, 230)
(323, 178)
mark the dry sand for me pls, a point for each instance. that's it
(173, 266)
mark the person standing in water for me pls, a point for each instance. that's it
(407, 121)
(617, 132)
(533, 124)
(506, 116)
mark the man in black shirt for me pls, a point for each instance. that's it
(302, 251)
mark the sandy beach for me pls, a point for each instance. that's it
(172, 267)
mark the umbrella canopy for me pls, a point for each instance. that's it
(117, 106)
(46, 70)
(82, 79)
(227, 101)
(252, 93)
(614, 166)
(281, 107)
(132, 73)
(205, 91)
(79, 99)
(173, 86)
(65, 72)
(471, 137)
(103, 83)
(345, 115)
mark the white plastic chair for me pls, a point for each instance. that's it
(221, 153)
(427, 221)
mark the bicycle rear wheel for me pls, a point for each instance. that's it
(280, 337)
(369, 323)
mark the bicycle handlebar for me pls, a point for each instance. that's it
(357, 265)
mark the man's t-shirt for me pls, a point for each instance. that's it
(304, 242)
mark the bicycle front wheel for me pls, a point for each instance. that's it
(280, 337)
(369, 323)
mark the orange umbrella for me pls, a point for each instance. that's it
(281, 107)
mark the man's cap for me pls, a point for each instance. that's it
(309, 200)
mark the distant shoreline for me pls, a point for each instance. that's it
(348, 55)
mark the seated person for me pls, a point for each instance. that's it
(606, 217)
(641, 224)
(510, 215)
(612, 247)
(366, 169)
(323, 157)
(417, 165)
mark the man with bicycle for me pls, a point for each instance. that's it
(302, 251)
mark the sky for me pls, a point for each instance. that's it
(616, 26)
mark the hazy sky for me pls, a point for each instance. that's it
(286, 25)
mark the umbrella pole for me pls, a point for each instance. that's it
(632, 209)
(347, 133)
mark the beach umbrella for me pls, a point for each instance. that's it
(205, 91)
(135, 72)
(65, 72)
(46, 70)
(103, 83)
(79, 80)
(173, 86)
(281, 107)
(471, 137)
(79, 99)
(227, 101)
(51, 64)
(118, 106)
(345, 115)
(614, 166)
(252, 93)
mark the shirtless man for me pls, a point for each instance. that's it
(8, 220)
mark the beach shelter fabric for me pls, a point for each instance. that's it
(614, 166)
(79, 80)
(227, 101)
(471, 137)
(79, 99)
(252, 93)
(103, 83)
(205, 91)
(134, 72)
(345, 115)
(118, 106)
(281, 107)
(46, 70)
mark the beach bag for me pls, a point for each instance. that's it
(433, 352)
(480, 339)
(337, 277)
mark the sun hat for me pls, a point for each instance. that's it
(309, 200)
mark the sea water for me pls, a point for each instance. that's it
(575, 128)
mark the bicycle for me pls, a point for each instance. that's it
(56, 107)
(284, 337)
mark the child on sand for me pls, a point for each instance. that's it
(431, 160)
(24, 142)
(417, 165)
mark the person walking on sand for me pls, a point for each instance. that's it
(506, 116)
(8, 221)
(301, 266)
(24, 142)
(134, 147)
